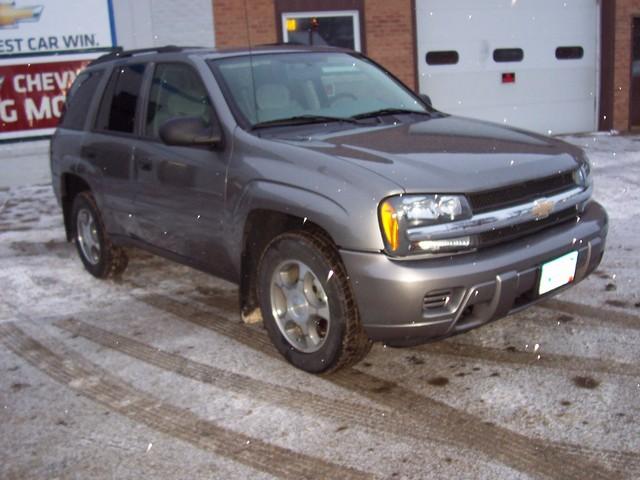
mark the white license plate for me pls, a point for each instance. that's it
(558, 272)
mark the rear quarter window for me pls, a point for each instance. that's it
(79, 99)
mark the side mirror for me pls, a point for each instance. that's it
(189, 131)
(426, 100)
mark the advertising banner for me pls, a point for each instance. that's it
(43, 46)
(40, 27)
(32, 96)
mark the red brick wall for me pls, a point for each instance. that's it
(625, 11)
(390, 37)
(388, 28)
(230, 21)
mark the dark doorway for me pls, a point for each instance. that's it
(635, 75)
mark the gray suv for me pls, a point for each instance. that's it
(345, 207)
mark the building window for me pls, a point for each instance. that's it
(340, 28)
(502, 55)
(442, 57)
(635, 75)
(569, 53)
(636, 47)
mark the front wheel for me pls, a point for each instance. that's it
(307, 304)
(99, 256)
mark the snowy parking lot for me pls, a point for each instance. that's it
(154, 375)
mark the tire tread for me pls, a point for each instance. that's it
(355, 342)
(114, 258)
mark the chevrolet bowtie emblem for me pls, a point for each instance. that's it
(542, 208)
(10, 15)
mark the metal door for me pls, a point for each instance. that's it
(525, 63)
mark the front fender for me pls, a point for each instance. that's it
(349, 230)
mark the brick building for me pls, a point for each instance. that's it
(620, 53)
(596, 37)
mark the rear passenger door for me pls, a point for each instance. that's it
(110, 146)
(180, 201)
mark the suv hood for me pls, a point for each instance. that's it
(444, 154)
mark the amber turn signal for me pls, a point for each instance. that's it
(390, 227)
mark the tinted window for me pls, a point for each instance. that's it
(176, 91)
(118, 107)
(569, 53)
(444, 57)
(508, 55)
(79, 99)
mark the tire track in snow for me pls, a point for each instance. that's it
(450, 348)
(542, 458)
(497, 355)
(378, 420)
(100, 386)
(532, 359)
(606, 317)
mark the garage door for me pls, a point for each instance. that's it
(525, 63)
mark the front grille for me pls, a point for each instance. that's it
(513, 232)
(436, 300)
(520, 193)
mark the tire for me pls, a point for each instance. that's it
(99, 256)
(302, 285)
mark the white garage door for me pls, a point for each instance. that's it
(525, 63)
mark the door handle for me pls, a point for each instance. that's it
(145, 164)
(89, 153)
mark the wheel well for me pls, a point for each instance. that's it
(72, 185)
(261, 227)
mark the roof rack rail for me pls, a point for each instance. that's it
(298, 44)
(282, 44)
(119, 52)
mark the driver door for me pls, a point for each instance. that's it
(180, 199)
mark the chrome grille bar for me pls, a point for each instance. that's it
(498, 219)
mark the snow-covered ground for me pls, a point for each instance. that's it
(24, 163)
(155, 376)
(616, 169)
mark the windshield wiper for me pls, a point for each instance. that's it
(303, 119)
(387, 111)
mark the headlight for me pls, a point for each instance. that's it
(407, 211)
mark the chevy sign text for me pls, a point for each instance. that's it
(32, 96)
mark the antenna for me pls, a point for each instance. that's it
(253, 80)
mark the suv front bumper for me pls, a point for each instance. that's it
(412, 301)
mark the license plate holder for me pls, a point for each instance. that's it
(558, 272)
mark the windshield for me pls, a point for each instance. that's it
(264, 89)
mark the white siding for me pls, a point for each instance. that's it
(182, 22)
(549, 95)
(153, 23)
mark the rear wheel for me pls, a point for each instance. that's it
(99, 256)
(307, 304)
